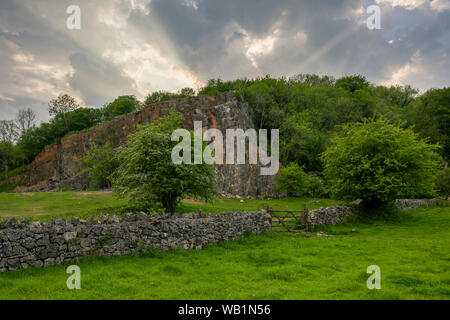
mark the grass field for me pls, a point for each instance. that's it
(413, 253)
(48, 205)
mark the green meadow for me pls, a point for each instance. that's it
(412, 251)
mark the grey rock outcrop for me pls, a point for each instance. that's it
(58, 165)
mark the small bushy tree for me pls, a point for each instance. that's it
(443, 182)
(8, 135)
(147, 174)
(378, 162)
(316, 187)
(161, 96)
(122, 105)
(432, 118)
(352, 83)
(292, 180)
(100, 163)
(61, 107)
(295, 181)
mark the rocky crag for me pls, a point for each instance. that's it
(59, 165)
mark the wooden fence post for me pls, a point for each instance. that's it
(306, 219)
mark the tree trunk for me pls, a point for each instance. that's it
(169, 203)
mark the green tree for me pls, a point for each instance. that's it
(352, 83)
(122, 105)
(216, 86)
(187, 92)
(61, 107)
(443, 182)
(313, 80)
(292, 180)
(84, 118)
(432, 118)
(8, 136)
(147, 174)
(161, 96)
(100, 163)
(378, 162)
(6, 154)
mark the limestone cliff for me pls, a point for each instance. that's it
(58, 165)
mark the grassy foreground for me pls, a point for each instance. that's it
(413, 254)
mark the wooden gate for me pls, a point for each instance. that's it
(290, 220)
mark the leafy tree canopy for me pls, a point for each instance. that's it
(122, 105)
(432, 118)
(377, 161)
(161, 96)
(147, 174)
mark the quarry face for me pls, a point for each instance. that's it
(58, 165)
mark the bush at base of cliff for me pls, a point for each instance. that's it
(292, 180)
(316, 187)
(146, 173)
(100, 164)
(295, 182)
(443, 183)
(379, 162)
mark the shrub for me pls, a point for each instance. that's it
(296, 182)
(443, 182)
(352, 83)
(161, 96)
(378, 162)
(292, 180)
(122, 105)
(315, 186)
(432, 118)
(147, 174)
(100, 164)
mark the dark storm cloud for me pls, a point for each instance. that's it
(134, 46)
(201, 34)
(99, 81)
(41, 58)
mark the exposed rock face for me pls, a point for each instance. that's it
(58, 164)
(24, 245)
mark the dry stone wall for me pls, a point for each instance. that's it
(336, 214)
(330, 215)
(410, 204)
(24, 244)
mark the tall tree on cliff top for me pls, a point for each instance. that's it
(8, 135)
(25, 120)
(61, 107)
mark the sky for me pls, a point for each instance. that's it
(139, 46)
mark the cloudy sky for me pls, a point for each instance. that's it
(139, 46)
